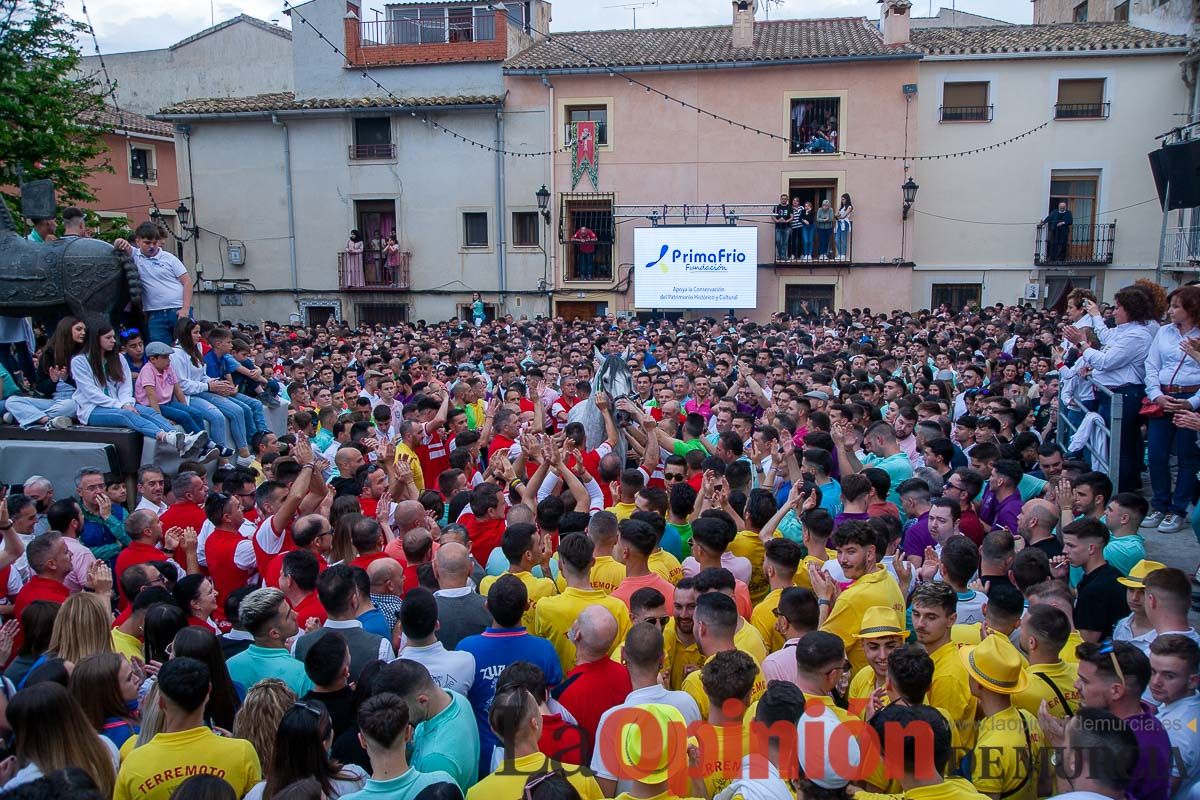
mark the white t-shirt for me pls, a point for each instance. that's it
(160, 275)
(353, 779)
(450, 669)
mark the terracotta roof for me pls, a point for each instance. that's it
(286, 101)
(1060, 38)
(111, 119)
(780, 40)
(255, 21)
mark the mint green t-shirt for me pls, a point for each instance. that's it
(449, 742)
(255, 663)
(898, 468)
(402, 787)
(1121, 551)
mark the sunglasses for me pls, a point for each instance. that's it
(659, 621)
(1108, 649)
(674, 476)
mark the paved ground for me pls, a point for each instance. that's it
(1180, 550)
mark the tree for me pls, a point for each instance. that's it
(44, 107)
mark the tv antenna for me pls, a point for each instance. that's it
(634, 6)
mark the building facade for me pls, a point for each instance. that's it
(840, 81)
(1102, 93)
(1166, 16)
(284, 177)
(141, 155)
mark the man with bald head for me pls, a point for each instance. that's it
(598, 682)
(348, 459)
(387, 587)
(1036, 523)
(409, 514)
(462, 612)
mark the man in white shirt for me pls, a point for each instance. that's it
(450, 669)
(1174, 676)
(643, 657)
(151, 486)
(166, 285)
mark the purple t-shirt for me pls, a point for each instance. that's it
(846, 516)
(1000, 513)
(1152, 775)
(917, 537)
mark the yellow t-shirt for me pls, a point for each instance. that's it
(802, 580)
(554, 616)
(679, 658)
(1063, 675)
(877, 588)
(607, 574)
(403, 451)
(623, 510)
(748, 545)
(862, 686)
(508, 782)
(126, 645)
(537, 588)
(763, 620)
(695, 687)
(1009, 755)
(665, 566)
(154, 770)
(721, 755)
(1068, 652)
(951, 690)
(747, 640)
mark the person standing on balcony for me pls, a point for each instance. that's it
(842, 235)
(478, 315)
(354, 259)
(585, 242)
(824, 230)
(1173, 383)
(783, 218)
(391, 253)
(796, 234)
(1059, 221)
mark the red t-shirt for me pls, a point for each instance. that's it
(134, 553)
(182, 515)
(310, 608)
(593, 688)
(485, 535)
(434, 455)
(38, 588)
(364, 560)
(499, 443)
(561, 740)
(270, 578)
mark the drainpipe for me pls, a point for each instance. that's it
(291, 209)
(500, 243)
(552, 261)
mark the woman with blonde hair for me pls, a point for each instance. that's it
(82, 628)
(106, 687)
(257, 721)
(51, 733)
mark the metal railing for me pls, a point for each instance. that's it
(1182, 245)
(1083, 245)
(481, 27)
(366, 151)
(370, 270)
(966, 113)
(795, 255)
(1067, 426)
(1081, 110)
(149, 174)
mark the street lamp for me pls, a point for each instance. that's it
(184, 215)
(543, 201)
(909, 188)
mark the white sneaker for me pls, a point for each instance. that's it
(60, 423)
(1152, 520)
(1172, 523)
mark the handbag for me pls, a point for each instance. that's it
(1151, 409)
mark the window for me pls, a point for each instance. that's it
(460, 24)
(372, 138)
(1121, 12)
(1080, 13)
(403, 26)
(475, 229)
(596, 114)
(381, 313)
(1081, 98)
(518, 15)
(965, 101)
(586, 231)
(432, 25)
(141, 164)
(802, 299)
(525, 229)
(814, 125)
(956, 296)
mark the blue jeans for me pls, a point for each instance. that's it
(161, 325)
(239, 418)
(175, 411)
(218, 428)
(781, 242)
(146, 422)
(258, 420)
(823, 242)
(806, 236)
(1163, 435)
(842, 237)
(1129, 477)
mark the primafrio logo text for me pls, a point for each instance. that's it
(698, 260)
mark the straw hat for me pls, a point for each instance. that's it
(1137, 575)
(880, 621)
(995, 664)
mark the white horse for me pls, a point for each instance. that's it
(614, 379)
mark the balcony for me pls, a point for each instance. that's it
(1083, 246)
(965, 113)
(144, 174)
(373, 273)
(1081, 110)
(362, 152)
(428, 35)
(795, 253)
(1182, 247)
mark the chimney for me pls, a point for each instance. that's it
(895, 21)
(743, 23)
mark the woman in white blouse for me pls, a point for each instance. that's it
(104, 393)
(1173, 383)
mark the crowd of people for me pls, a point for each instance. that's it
(819, 557)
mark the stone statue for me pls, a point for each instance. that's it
(83, 277)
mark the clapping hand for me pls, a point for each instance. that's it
(904, 574)
(8, 635)
(99, 578)
(172, 538)
(930, 565)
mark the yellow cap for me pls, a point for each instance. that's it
(995, 664)
(664, 716)
(1137, 575)
(880, 621)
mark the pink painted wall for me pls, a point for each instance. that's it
(115, 191)
(663, 153)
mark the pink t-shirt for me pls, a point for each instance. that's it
(161, 383)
